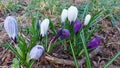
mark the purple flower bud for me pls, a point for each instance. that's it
(94, 42)
(11, 27)
(36, 52)
(77, 26)
(63, 34)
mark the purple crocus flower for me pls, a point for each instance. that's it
(77, 26)
(62, 34)
(65, 34)
(94, 42)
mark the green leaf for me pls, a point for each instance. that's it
(15, 63)
(85, 49)
(110, 62)
(52, 27)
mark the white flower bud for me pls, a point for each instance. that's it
(64, 15)
(11, 27)
(36, 52)
(44, 27)
(72, 14)
(87, 19)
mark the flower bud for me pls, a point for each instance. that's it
(65, 34)
(62, 34)
(11, 27)
(36, 52)
(94, 42)
(87, 19)
(64, 15)
(77, 26)
(44, 27)
(72, 14)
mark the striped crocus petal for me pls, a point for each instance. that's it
(77, 26)
(11, 27)
(94, 42)
(36, 52)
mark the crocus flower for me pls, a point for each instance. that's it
(44, 27)
(77, 26)
(87, 19)
(72, 14)
(36, 52)
(64, 15)
(94, 42)
(65, 34)
(62, 34)
(10, 25)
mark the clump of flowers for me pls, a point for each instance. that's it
(74, 31)
(72, 27)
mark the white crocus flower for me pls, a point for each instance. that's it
(44, 27)
(10, 25)
(36, 52)
(64, 15)
(87, 19)
(72, 14)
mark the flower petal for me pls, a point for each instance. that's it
(64, 15)
(44, 27)
(72, 14)
(77, 26)
(11, 27)
(36, 52)
(87, 19)
(94, 42)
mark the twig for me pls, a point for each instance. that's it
(4, 66)
(71, 62)
(117, 28)
(2, 19)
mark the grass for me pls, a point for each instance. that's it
(40, 9)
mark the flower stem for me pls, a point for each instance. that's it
(75, 60)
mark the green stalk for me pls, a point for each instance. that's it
(106, 66)
(65, 48)
(48, 50)
(81, 52)
(75, 60)
(74, 40)
(46, 40)
(85, 49)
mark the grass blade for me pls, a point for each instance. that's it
(110, 62)
(85, 49)
(75, 60)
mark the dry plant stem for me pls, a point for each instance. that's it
(70, 62)
(4, 66)
(117, 28)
